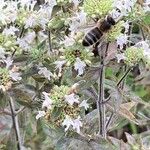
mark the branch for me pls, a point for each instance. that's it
(100, 102)
(109, 120)
(20, 110)
(15, 123)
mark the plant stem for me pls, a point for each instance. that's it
(143, 36)
(15, 123)
(49, 41)
(100, 102)
(109, 120)
(123, 77)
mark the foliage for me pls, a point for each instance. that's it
(57, 94)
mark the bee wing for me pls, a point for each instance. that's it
(86, 28)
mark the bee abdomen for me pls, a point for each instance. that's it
(92, 37)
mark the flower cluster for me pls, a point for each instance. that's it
(134, 54)
(63, 107)
(8, 73)
(115, 32)
(77, 56)
(98, 7)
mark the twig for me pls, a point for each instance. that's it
(20, 110)
(100, 105)
(21, 33)
(49, 41)
(109, 120)
(123, 77)
(15, 123)
(143, 36)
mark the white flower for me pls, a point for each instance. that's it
(74, 25)
(59, 65)
(76, 2)
(30, 37)
(77, 124)
(67, 122)
(47, 74)
(125, 6)
(79, 66)
(128, 4)
(3, 18)
(10, 31)
(82, 17)
(8, 62)
(52, 3)
(47, 102)
(2, 52)
(77, 21)
(84, 104)
(46, 11)
(71, 99)
(69, 41)
(121, 40)
(146, 6)
(115, 14)
(42, 36)
(42, 21)
(11, 11)
(30, 21)
(40, 114)
(126, 26)
(23, 43)
(28, 3)
(15, 75)
(145, 46)
(120, 57)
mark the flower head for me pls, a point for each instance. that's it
(120, 57)
(121, 40)
(47, 74)
(79, 66)
(47, 102)
(84, 104)
(40, 114)
(71, 99)
(10, 31)
(77, 124)
(67, 122)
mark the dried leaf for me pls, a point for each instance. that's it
(128, 105)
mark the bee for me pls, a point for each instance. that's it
(94, 35)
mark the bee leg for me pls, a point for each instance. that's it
(95, 49)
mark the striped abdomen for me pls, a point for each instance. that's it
(92, 37)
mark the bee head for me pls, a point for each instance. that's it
(111, 20)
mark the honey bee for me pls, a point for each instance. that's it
(94, 35)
